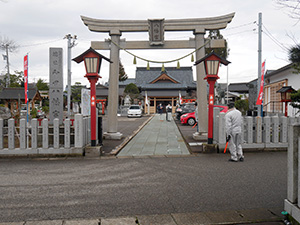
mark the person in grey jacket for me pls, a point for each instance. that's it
(233, 123)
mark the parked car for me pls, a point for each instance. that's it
(184, 108)
(134, 111)
(189, 118)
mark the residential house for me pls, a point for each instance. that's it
(12, 98)
(235, 91)
(274, 81)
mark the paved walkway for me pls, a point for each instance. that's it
(245, 217)
(158, 137)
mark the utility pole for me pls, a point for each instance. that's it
(259, 108)
(7, 64)
(71, 44)
(227, 87)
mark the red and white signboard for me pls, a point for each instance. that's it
(26, 77)
(261, 90)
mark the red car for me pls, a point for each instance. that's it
(189, 118)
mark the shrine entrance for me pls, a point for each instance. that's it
(156, 29)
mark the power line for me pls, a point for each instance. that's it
(268, 33)
(245, 31)
(41, 43)
(243, 25)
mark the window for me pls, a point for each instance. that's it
(272, 98)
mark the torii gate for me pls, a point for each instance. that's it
(156, 28)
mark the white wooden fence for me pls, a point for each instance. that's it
(45, 139)
(258, 132)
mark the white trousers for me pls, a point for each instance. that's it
(235, 146)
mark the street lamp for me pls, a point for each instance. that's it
(92, 61)
(285, 93)
(211, 65)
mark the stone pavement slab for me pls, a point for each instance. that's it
(157, 137)
(258, 214)
(82, 222)
(246, 217)
(119, 221)
(45, 222)
(13, 223)
(166, 219)
(191, 218)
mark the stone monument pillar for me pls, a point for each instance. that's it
(56, 84)
(113, 90)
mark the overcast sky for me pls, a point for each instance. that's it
(37, 25)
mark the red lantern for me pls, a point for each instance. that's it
(211, 65)
(92, 61)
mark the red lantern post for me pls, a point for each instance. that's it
(92, 61)
(285, 93)
(211, 64)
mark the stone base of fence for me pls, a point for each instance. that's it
(292, 209)
(41, 152)
(257, 147)
(92, 151)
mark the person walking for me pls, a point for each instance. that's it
(233, 124)
(168, 112)
(160, 110)
(196, 115)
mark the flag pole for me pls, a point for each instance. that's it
(26, 94)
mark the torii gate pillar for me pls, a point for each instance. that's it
(113, 90)
(201, 86)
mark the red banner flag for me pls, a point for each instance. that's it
(261, 90)
(26, 77)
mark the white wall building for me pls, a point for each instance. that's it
(275, 80)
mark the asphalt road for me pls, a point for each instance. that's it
(93, 188)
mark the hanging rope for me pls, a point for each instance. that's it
(153, 61)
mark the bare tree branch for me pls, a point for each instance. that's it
(11, 44)
(292, 7)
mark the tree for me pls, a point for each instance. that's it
(294, 57)
(76, 92)
(223, 52)
(42, 85)
(292, 6)
(16, 80)
(122, 74)
(132, 90)
(295, 97)
(242, 105)
(7, 45)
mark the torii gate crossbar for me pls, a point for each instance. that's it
(198, 26)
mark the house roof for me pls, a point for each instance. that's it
(238, 87)
(16, 93)
(274, 72)
(164, 76)
(102, 90)
(171, 78)
(126, 82)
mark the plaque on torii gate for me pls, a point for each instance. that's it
(156, 31)
(198, 26)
